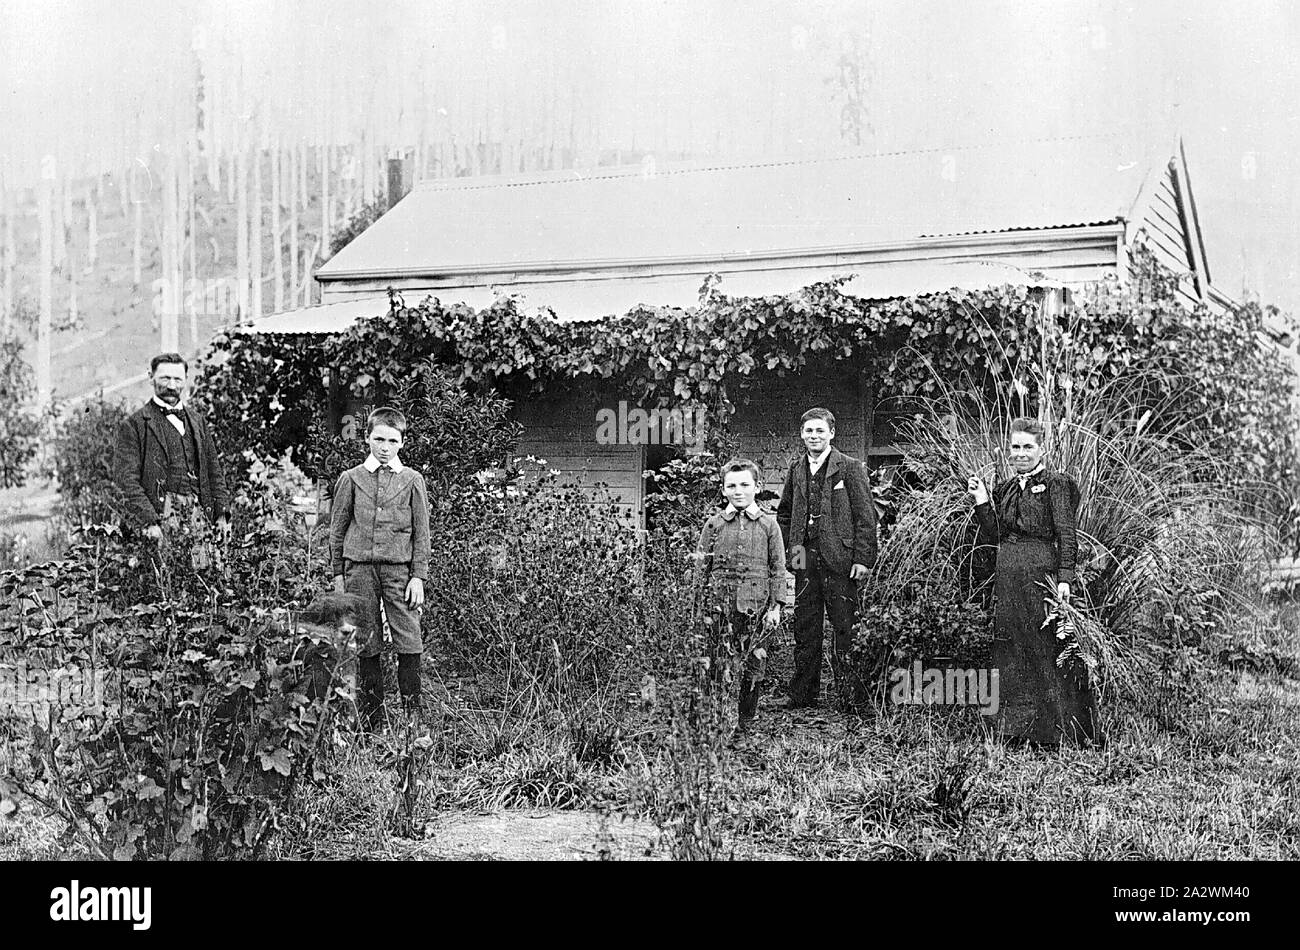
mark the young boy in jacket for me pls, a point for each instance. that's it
(742, 561)
(379, 550)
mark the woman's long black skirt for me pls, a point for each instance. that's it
(1038, 701)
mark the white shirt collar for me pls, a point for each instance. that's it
(753, 510)
(816, 463)
(179, 407)
(1028, 475)
(372, 464)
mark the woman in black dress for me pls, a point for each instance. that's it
(1031, 518)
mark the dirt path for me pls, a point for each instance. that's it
(538, 835)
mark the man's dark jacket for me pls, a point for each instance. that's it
(140, 464)
(847, 525)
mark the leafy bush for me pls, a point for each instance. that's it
(203, 736)
(206, 735)
(14, 551)
(83, 462)
(19, 426)
(523, 620)
(452, 438)
(687, 491)
(1210, 378)
(903, 630)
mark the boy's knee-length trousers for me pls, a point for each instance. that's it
(374, 583)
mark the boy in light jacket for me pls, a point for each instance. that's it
(741, 556)
(379, 550)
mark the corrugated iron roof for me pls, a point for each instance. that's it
(708, 211)
(585, 299)
(326, 318)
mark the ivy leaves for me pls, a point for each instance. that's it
(691, 355)
(700, 355)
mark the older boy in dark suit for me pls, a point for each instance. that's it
(828, 520)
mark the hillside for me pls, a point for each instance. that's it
(107, 325)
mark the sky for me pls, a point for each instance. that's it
(728, 79)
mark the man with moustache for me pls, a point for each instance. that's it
(165, 462)
(828, 520)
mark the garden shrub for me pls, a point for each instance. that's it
(206, 734)
(19, 425)
(459, 441)
(682, 493)
(15, 551)
(203, 735)
(83, 462)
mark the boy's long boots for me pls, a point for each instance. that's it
(408, 681)
(370, 692)
(749, 690)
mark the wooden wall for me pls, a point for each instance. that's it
(562, 428)
(768, 411)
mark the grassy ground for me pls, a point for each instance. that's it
(910, 783)
(116, 330)
(28, 528)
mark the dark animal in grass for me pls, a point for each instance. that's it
(328, 629)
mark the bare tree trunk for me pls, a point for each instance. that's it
(325, 202)
(73, 313)
(277, 241)
(178, 248)
(170, 336)
(304, 192)
(124, 191)
(293, 225)
(241, 228)
(212, 101)
(255, 235)
(6, 259)
(367, 168)
(286, 174)
(46, 280)
(137, 265)
(308, 259)
(304, 286)
(194, 300)
(92, 228)
(346, 187)
(62, 219)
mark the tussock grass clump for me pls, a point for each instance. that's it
(1171, 551)
(344, 816)
(539, 778)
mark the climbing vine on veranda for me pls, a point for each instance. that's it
(1203, 364)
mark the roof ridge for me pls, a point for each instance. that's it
(617, 172)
